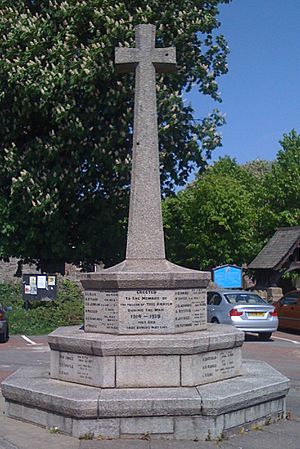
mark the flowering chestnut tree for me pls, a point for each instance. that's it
(66, 119)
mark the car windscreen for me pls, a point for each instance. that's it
(244, 298)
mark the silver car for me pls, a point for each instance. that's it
(245, 310)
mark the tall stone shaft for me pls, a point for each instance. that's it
(145, 239)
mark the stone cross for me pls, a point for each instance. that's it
(145, 239)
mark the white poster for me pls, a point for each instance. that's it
(41, 282)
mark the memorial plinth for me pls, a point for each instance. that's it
(145, 296)
(147, 362)
(108, 361)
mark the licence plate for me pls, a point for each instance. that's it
(256, 313)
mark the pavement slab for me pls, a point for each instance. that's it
(284, 435)
(293, 402)
(115, 444)
(16, 434)
(21, 435)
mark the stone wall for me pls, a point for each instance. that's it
(9, 269)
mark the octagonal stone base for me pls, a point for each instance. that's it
(202, 412)
(138, 361)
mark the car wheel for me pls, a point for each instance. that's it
(265, 335)
(215, 320)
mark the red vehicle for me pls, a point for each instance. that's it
(288, 309)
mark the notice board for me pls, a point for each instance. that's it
(39, 287)
(228, 276)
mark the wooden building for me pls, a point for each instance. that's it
(280, 255)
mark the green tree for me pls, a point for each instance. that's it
(66, 118)
(282, 187)
(215, 219)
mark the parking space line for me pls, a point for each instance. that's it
(28, 340)
(287, 339)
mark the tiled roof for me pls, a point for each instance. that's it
(278, 248)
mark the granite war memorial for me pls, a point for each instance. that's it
(147, 361)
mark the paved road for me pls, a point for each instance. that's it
(283, 353)
(18, 352)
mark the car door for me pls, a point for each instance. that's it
(214, 300)
(289, 311)
(297, 315)
(209, 305)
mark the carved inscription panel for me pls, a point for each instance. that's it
(190, 309)
(101, 311)
(82, 368)
(145, 311)
(219, 364)
(162, 311)
(211, 366)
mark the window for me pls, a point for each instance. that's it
(215, 300)
(290, 299)
(209, 296)
(244, 298)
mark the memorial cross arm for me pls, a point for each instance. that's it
(164, 59)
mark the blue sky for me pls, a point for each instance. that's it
(261, 91)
